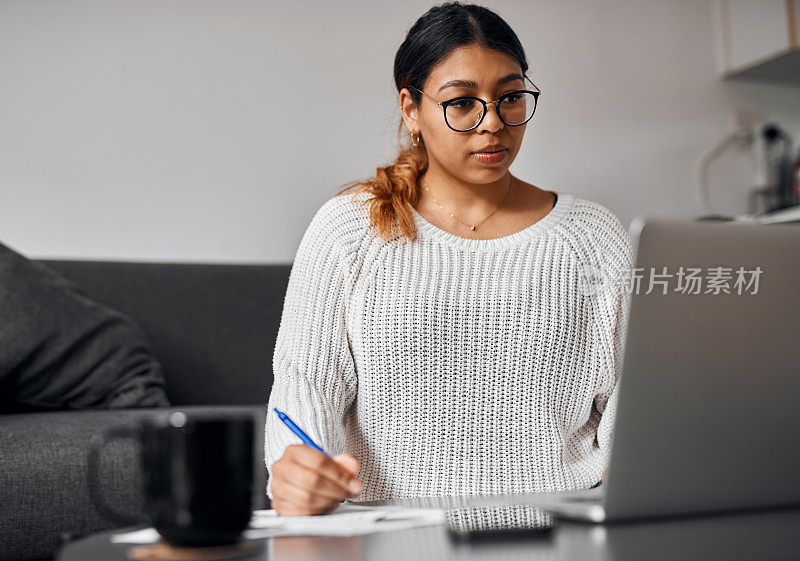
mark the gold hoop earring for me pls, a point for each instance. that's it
(415, 141)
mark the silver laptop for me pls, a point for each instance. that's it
(709, 396)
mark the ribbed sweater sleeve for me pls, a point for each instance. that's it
(314, 374)
(613, 304)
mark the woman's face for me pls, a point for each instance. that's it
(493, 73)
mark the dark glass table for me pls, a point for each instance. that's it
(773, 534)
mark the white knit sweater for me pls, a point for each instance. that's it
(452, 366)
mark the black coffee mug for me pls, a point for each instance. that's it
(197, 471)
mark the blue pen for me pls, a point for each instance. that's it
(297, 430)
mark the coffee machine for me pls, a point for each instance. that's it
(782, 188)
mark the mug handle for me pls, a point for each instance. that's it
(96, 444)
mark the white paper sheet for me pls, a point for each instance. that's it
(347, 520)
(148, 535)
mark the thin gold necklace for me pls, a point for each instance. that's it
(470, 226)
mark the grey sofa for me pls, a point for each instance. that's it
(212, 327)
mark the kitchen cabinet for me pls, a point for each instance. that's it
(757, 40)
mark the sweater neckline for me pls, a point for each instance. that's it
(562, 206)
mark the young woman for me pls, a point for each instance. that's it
(435, 337)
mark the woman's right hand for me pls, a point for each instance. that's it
(306, 482)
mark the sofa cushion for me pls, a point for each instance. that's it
(61, 350)
(43, 463)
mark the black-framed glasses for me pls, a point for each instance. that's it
(465, 113)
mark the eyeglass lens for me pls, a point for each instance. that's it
(514, 109)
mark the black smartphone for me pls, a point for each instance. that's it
(472, 524)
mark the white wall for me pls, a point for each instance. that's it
(162, 130)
